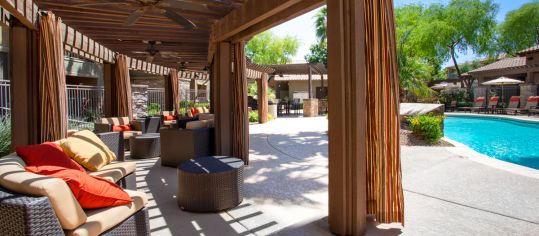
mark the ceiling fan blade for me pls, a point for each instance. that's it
(179, 19)
(133, 17)
(99, 4)
(189, 6)
(139, 52)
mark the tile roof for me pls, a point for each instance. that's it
(529, 50)
(298, 77)
(507, 63)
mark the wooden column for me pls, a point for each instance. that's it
(322, 93)
(194, 89)
(310, 83)
(169, 99)
(347, 136)
(222, 76)
(262, 85)
(109, 85)
(24, 85)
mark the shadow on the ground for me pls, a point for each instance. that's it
(160, 185)
(287, 169)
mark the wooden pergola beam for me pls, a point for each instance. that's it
(251, 13)
(24, 10)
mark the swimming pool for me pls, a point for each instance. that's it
(503, 139)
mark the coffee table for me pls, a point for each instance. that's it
(145, 146)
(210, 184)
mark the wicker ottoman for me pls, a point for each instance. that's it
(145, 146)
(210, 184)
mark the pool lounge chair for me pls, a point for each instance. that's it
(514, 101)
(492, 104)
(478, 105)
(530, 104)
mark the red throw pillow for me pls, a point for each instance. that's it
(515, 99)
(46, 154)
(169, 118)
(90, 191)
(494, 99)
(121, 128)
(534, 99)
(194, 111)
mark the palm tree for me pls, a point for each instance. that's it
(321, 24)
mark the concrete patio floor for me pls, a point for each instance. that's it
(286, 191)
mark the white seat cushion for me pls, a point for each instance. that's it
(115, 171)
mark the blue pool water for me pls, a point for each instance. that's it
(503, 139)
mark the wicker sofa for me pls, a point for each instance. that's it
(32, 204)
(137, 126)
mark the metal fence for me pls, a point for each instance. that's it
(156, 96)
(5, 98)
(84, 106)
(194, 95)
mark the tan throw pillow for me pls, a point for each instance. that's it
(200, 110)
(88, 150)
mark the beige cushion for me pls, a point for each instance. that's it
(189, 113)
(88, 150)
(168, 122)
(196, 124)
(166, 113)
(115, 171)
(115, 120)
(200, 110)
(101, 220)
(128, 134)
(15, 178)
(206, 110)
(206, 116)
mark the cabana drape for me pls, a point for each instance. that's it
(123, 87)
(263, 98)
(384, 184)
(174, 83)
(240, 122)
(52, 79)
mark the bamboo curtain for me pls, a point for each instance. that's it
(240, 122)
(263, 98)
(174, 83)
(384, 185)
(52, 79)
(123, 87)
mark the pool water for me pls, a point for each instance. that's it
(503, 139)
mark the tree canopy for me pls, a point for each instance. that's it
(268, 48)
(519, 30)
(319, 51)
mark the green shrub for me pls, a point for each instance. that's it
(427, 126)
(5, 135)
(465, 104)
(154, 109)
(253, 116)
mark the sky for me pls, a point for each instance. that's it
(302, 27)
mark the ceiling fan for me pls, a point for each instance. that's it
(151, 52)
(167, 8)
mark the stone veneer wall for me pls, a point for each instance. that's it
(140, 99)
(527, 90)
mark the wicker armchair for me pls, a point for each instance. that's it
(178, 145)
(41, 205)
(31, 215)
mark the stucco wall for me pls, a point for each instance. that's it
(303, 86)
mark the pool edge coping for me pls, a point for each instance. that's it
(527, 119)
(461, 149)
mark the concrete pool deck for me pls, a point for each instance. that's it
(286, 191)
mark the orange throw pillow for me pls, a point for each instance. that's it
(169, 118)
(90, 191)
(47, 154)
(121, 128)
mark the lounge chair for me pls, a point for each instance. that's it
(514, 101)
(452, 106)
(478, 105)
(492, 104)
(531, 103)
